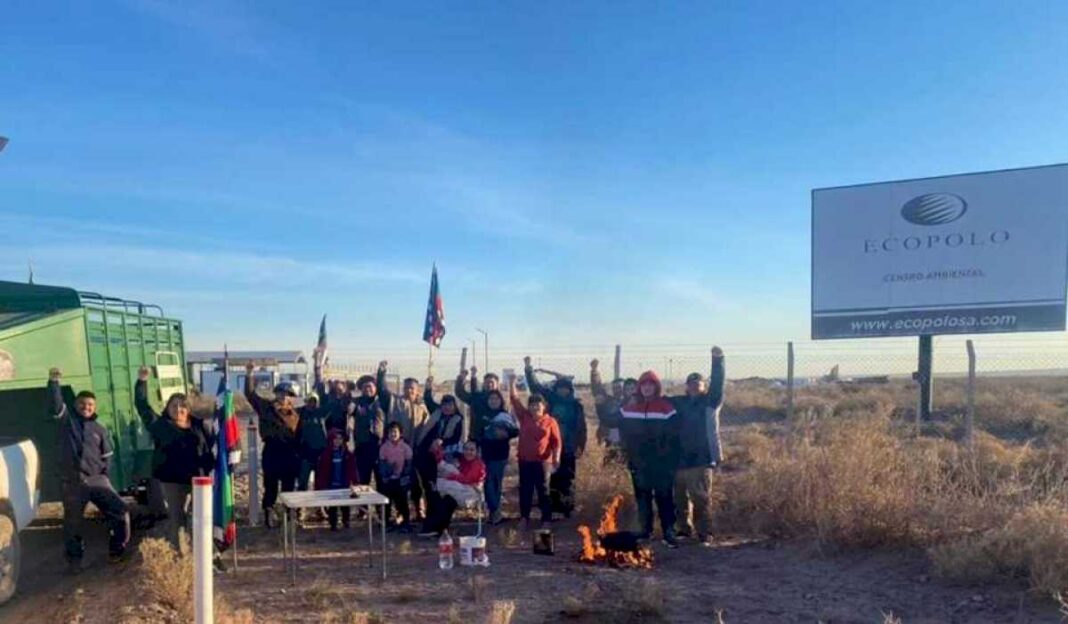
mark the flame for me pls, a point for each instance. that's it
(593, 552)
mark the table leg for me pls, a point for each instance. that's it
(384, 508)
(285, 541)
(293, 524)
(370, 539)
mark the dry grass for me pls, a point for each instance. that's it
(166, 579)
(850, 473)
(501, 612)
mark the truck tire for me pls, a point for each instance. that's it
(9, 557)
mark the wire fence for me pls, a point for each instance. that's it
(1034, 355)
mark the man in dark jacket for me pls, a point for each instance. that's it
(568, 412)
(84, 452)
(367, 428)
(700, 449)
(651, 439)
(480, 412)
(280, 433)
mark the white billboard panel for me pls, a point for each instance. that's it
(962, 254)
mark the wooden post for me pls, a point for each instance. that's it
(925, 375)
(617, 368)
(789, 381)
(969, 417)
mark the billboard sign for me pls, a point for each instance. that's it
(962, 254)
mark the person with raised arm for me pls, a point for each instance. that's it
(477, 400)
(279, 424)
(540, 447)
(185, 448)
(569, 413)
(411, 413)
(85, 451)
(701, 450)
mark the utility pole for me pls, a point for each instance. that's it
(485, 349)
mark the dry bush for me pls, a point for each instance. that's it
(845, 483)
(1033, 544)
(501, 612)
(747, 446)
(166, 578)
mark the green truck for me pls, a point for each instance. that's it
(99, 343)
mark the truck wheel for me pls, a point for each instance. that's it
(9, 557)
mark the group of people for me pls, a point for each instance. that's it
(423, 453)
(429, 458)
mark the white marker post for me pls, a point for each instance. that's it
(253, 473)
(203, 583)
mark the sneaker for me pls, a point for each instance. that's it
(429, 534)
(706, 541)
(496, 517)
(683, 534)
(670, 541)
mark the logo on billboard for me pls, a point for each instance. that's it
(934, 209)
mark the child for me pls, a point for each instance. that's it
(496, 446)
(457, 484)
(395, 472)
(539, 448)
(336, 470)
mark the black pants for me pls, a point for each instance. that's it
(366, 458)
(331, 516)
(99, 492)
(427, 471)
(562, 485)
(440, 515)
(398, 498)
(654, 484)
(532, 481)
(279, 474)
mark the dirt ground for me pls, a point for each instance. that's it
(742, 580)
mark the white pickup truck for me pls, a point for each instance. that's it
(19, 497)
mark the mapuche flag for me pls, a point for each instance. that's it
(434, 328)
(227, 455)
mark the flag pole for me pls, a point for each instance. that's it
(430, 361)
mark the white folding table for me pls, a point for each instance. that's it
(331, 498)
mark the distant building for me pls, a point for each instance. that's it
(272, 367)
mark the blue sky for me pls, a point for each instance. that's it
(582, 173)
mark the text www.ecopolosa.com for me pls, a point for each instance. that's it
(928, 323)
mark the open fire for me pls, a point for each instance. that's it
(619, 549)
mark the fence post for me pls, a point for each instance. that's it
(790, 381)
(203, 590)
(969, 417)
(253, 473)
(617, 367)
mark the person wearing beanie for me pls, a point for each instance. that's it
(700, 449)
(569, 413)
(280, 432)
(649, 429)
